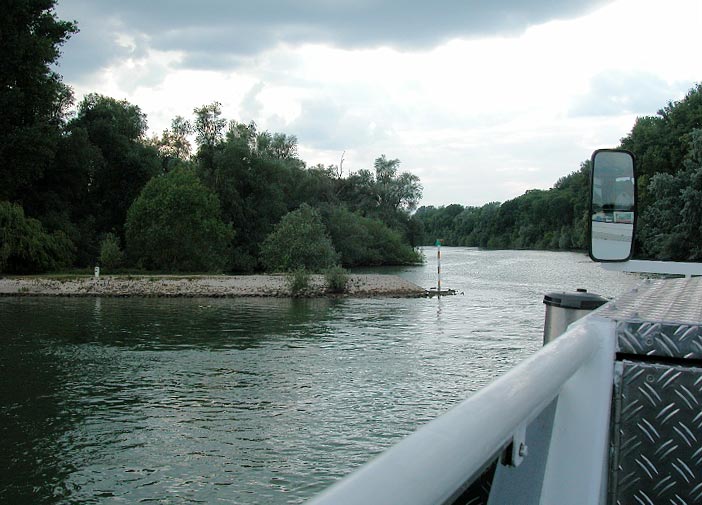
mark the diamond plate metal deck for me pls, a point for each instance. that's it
(656, 446)
(660, 339)
(660, 318)
(657, 435)
(664, 301)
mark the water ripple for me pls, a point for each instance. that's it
(253, 401)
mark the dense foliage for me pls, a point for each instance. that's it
(299, 241)
(175, 225)
(669, 159)
(538, 219)
(33, 99)
(363, 240)
(671, 225)
(25, 247)
(668, 149)
(94, 189)
(111, 254)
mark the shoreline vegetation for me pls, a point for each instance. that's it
(214, 286)
(87, 183)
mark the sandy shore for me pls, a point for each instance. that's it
(196, 286)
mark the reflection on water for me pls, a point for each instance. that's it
(253, 400)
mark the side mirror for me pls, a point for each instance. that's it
(612, 205)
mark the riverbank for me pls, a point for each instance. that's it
(359, 285)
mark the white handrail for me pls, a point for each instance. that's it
(430, 465)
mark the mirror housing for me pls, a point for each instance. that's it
(612, 205)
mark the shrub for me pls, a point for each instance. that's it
(336, 278)
(298, 281)
(111, 256)
(298, 241)
(175, 225)
(242, 261)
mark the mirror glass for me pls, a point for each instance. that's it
(612, 205)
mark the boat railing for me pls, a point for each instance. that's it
(538, 434)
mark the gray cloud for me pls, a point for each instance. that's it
(250, 105)
(218, 33)
(621, 92)
(88, 51)
(327, 123)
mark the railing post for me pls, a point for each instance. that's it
(578, 456)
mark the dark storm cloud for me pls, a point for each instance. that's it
(99, 41)
(217, 33)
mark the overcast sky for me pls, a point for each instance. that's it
(481, 99)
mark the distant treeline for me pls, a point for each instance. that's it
(668, 150)
(88, 187)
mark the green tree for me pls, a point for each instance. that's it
(257, 185)
(25, 247)
(661, 142)
(59, 199)
(125, 164)
(175, 225)
(111, 255)
(209, 124)
(174, 146)
(366, 241)
(538, 219)
(259, 179)
(671, 225)
(668, 148)
(317, 185)
(350, 236)
(384, 193)
(33, 99)
(299, 240)
(278, 145)
(395, 192)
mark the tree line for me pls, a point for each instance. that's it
(89, 186)
(86, 185)
(668, 150)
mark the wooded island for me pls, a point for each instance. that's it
(85, 186)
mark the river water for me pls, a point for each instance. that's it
(255, 400)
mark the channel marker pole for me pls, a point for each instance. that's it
(438, 267)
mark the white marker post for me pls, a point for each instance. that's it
(438, 267)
